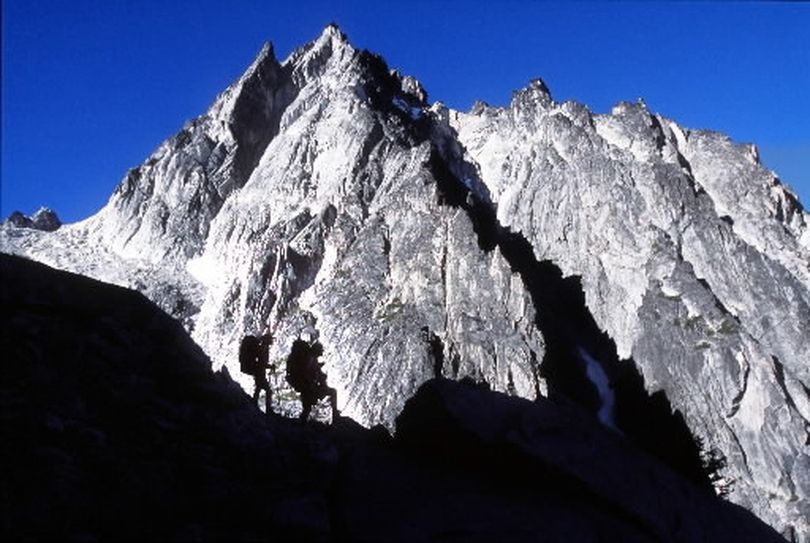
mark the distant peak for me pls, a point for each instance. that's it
(331, 39)
(478, 107)
(44, 219)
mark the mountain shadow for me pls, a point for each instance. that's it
(573, 339)
(115, 427)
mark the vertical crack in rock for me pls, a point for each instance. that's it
(435, 351)
(536, 374)
(737, 399)
(717, 303)
(743, 456)
(779, 373)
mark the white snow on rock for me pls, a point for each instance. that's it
(597, 376)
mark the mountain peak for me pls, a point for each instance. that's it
(313, 57)
(323, 195)
(535, 94)
(44, 219)
(332, 30)
(331, 36)
(265, 52)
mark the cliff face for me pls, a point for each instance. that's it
(693, 258)
(540, 248)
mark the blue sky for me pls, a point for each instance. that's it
(91, 87)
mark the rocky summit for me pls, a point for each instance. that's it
(654, 277)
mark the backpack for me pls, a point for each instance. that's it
(249, 355)
(298, 365)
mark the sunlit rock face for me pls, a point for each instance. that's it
(339, 233)
(324, 196)
(692, 257)
(304, 202)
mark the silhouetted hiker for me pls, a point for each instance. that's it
(253, 360)
(436, 350)
(305, 375)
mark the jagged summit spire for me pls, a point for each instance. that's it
(333, 30)
(266, 54)
(312, 57)
(332, 35)
(538, 85)
(266, 51)
(535, 95)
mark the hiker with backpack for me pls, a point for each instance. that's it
(305, 374)
(254, 361)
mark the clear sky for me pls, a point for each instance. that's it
(91, 87)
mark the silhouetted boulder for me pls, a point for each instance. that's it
(558, 453)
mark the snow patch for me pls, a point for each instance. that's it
(203, 269)
(597, 376)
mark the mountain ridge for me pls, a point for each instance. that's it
(342, 229)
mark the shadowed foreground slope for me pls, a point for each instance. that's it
(114, 426)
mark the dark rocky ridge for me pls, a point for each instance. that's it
(114, 427)
(44, 219)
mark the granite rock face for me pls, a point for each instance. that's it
(324, 196)
(163, 208)
(339, 233)
(693, 258)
